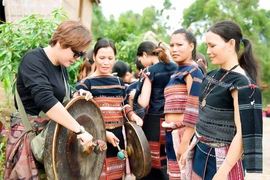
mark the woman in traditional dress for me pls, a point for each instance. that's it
(228, 136)
(108, 92)
(42, 84)
(150, 95)
(181, 95)
(140, 111)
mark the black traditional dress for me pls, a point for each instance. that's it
(159, 76)
(178, 100)
(109, 93)
(215, 128)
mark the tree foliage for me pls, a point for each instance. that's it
(34, 31)
(254, 22)
(18, 38)
(129, 29)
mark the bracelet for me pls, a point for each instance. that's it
(82, 130)
(129, 114)
(228, 162)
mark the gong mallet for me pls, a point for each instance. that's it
(121, 153)
(98, 147)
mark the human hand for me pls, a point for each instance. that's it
(173, 125)
(111, 138)
(88, 95)
(183, 159)
(86, 139)
(183, 147)
(99, 146)
(137, 119)
(168, 125)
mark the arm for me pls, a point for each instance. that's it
(37, 77)
(236, 147)
(144, 97)
(131, 115)
(130, 101)
(59, 114)
(127, 110)
(189, 130)
(130, 91)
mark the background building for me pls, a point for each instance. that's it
(14, 10)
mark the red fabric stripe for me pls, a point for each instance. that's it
(113, 168)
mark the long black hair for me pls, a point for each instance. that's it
(154, 50)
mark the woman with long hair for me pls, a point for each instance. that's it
(108, 91)
(181, 95)
(228, 136)
(150, 95)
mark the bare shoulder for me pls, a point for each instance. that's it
(240, 71)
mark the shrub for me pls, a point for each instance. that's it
(18, 38)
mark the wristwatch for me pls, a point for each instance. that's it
(82, 130)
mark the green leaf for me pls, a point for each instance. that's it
(17, 39)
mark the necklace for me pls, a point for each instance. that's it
(209, 83)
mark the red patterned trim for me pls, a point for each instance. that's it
(113, 168)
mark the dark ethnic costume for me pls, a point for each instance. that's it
(40, 85)
(215, 128)
(159, 76)
(140, 111)
(109, 92)
(179, 101)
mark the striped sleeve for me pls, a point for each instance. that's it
(192, 106)
(84, 84)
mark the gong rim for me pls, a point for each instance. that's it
(138, 169)
(64, 156)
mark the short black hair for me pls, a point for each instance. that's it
(121, 68)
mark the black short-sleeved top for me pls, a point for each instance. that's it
(159, 75)
(216, 119)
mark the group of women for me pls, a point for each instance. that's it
(199, 125)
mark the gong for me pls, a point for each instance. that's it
(138, 150)
(65, 157)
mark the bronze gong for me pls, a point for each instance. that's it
(65, 157)
(138, 150)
